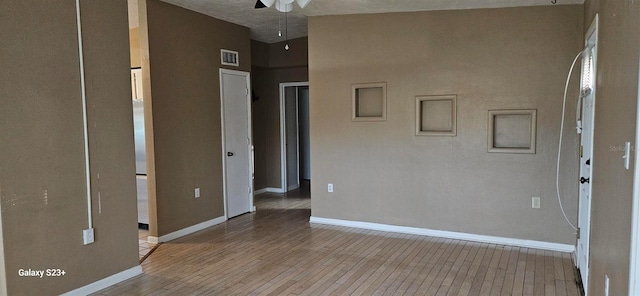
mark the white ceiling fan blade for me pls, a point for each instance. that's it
(286, 1)
(268, 3)
(302, 3)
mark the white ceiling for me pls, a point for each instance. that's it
(264, 22)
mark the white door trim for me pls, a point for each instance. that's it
(634, 262)
(591, 40)
(247, 76)
(283, 133)
(3, 274)
(297, 139)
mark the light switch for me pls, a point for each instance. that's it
(88, 236)
(627, 154)
(535, 202)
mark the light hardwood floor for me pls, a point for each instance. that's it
(275, 251)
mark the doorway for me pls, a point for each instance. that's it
(140, 147)
(139, 137)
(141, 131)
(634, 262)
(294, 126)
(235, 116)
(588, 97)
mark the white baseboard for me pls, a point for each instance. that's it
(448, 234)
(268, 189)
(186, 231)
(106, 282)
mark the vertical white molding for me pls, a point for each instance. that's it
(223, 143)
(3, 273)
(634, 262)
(297, 138)
(252, 207)
(283, 141)
(85, 127)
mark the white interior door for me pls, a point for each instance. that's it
(584, 216)
(234, 89)
(588, 95)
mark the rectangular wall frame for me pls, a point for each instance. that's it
(512, 131)
(436, 115)
(369, 102)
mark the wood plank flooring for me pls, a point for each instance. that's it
(275, 251)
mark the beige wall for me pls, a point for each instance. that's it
(134, 31)
(278, 67)
(259, 54)
(514, 58)
(42, 181)
(296, 56)
(616, 101)
(275, 56)
(184, 62)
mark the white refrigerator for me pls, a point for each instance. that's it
(140, 147)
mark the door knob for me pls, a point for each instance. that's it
(229, 153)
(584, 180)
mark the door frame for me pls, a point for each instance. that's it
(634, 262)
(283, 133)
(3, 274)
(591, 37)
(247, 76)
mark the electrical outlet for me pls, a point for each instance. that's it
(535, 202)
(87, 236)
(197, 192)
(606, 285)
(330, 187)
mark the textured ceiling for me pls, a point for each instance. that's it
(264, 22)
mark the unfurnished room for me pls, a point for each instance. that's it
(320, 147)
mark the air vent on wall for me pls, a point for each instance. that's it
(229, 57)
